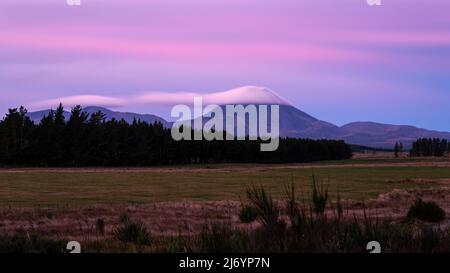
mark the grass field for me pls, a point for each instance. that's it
(174, 206)
(355, 179)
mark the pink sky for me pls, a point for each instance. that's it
(337, 60)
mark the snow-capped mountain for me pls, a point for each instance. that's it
(293, 122)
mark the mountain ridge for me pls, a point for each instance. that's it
(109, 114)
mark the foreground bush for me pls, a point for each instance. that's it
(263, 204)
(25, 243)
(319, 196)
(132, 232)
(319, 236)
(248, 214)
(426, 211)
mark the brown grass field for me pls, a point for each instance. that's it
(178, 201)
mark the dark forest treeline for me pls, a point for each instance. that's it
(90, 140)
(430, 147)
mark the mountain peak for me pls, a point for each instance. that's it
(249, 95)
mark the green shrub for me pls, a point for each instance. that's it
(426, 211)
(248, 214)
(132, 232)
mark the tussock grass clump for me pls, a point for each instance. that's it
(319, 196)
(220, 238)
(267, 211)
(426, 211)
(247, 214)
(100, 226)
(132, 232)
(296, 213)
(26, 243)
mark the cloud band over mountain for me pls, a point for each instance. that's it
(241, 95)
(81, 100)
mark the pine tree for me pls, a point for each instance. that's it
(396, 149)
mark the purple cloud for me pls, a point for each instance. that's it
(84, 100)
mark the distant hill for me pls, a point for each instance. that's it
(385, 135)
